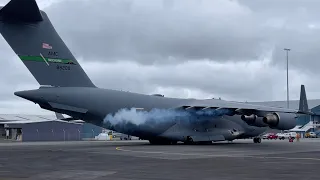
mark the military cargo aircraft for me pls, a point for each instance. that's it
(65, 88)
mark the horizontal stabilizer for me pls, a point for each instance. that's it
(21, 11)
(59, 115)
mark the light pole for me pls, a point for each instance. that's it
(286, 49)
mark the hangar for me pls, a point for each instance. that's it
(44, 128)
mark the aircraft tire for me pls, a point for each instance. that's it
(174, 142)
(189, 140)
(257, 140)
(153, 142)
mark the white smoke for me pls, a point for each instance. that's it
(125, 117)
(140, 117)
(214, 112)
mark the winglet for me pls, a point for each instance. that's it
(21, 11)
(303, 103)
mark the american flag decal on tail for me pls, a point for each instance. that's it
(46, 46)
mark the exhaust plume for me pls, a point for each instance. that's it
(141, 117)
(160, 115)
(133, 121)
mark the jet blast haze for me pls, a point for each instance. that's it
(133, 120)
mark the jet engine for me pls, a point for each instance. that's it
(281, 121)
(254, 120)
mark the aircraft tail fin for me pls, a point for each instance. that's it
(303, 103)
(33, 38)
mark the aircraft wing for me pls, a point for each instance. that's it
(245, 108)
(235, 107)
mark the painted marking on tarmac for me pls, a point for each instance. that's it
(211, 155)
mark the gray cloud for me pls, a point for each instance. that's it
(296, 26)
(189, 49)
(241, 81)
(14, 75)
(151, 31)
(160, 32)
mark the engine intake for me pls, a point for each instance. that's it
(249, 119)
(271, 119)
(281, 121)
(254, 120)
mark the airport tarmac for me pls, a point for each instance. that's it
(136, 160)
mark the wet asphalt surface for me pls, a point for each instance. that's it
(136, 160)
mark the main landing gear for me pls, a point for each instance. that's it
(257, 140)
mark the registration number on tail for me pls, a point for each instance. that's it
(63, 68)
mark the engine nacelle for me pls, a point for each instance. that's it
(281, 121)
(254, 120)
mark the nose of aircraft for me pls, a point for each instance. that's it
(21, 94)
(29, 95)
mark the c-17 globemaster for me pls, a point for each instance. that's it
(66, 88)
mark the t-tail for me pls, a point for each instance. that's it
(303, 102)
(33, 38)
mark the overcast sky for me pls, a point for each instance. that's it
(231, 49)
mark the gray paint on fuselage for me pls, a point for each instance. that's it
(101, 102)
(105, 101)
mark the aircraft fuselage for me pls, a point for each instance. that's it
(94, 104)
